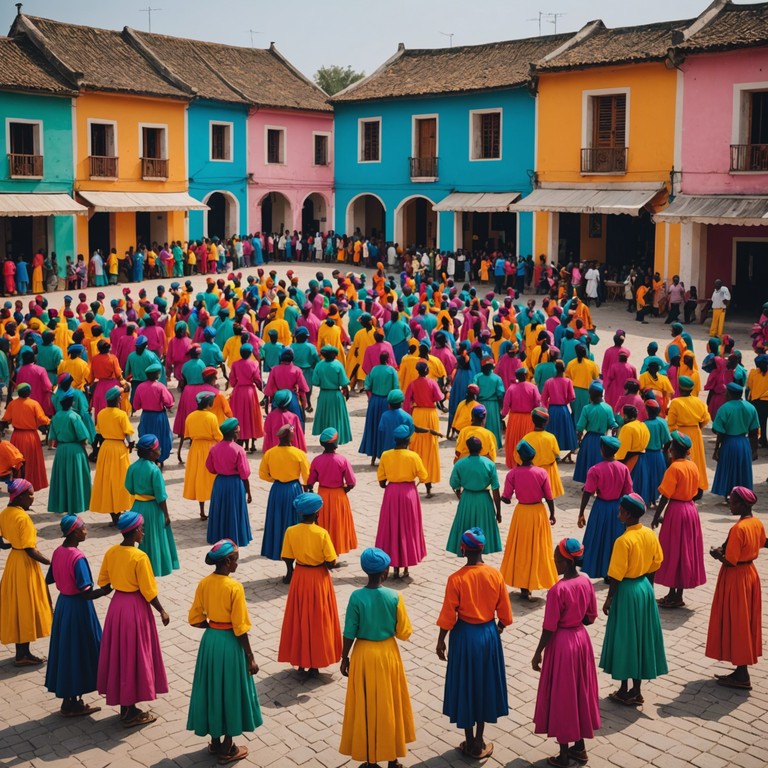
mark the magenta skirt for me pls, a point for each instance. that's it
(187, 404)
(567, 706)
(401, 533)
(130, 662)
(244, 402)
(99, 394)
(683, 547)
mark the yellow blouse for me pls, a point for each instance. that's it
(78, 369)
(128, 569)
(401, 466)
(285, 464)
(485, 436)
(661, 383)
(202, 425)
(583, 373)
(546, 446)
(308, 544)
(113, 424)
(17, 528)
(221, 599)
(634, 438)
(636, 552)
(687, 411)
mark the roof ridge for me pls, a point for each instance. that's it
(586, 31)
(509, 41)
(23, 27)
(232, 87)
(130, 36)
(279, 56)
(399, 53)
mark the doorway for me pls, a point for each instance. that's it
(217, 216)
(751, 271)
(630, 240)
(99, 235)
(569, 248)
(143, 228)
(416, 223)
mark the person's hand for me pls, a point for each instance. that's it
(656, 522)
(253, 667)
(498, 517)
(607, 605)
(344, 668)
(106, 589)
(536, 661)
(552, 520)
(167, 520)
(499, 627)
(440, 650)
(248, 497)
(582, 521)
(716, 553)
(716, 454)
(165, 618)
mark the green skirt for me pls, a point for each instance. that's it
(70, 488)
(475, 510)
(634, 645)
(158, 541)
(223, 700)
(331, 411)
(582, 399)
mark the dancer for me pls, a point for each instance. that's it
(651, 465)
(26, 417)
(245, 380)
(154, 401)
(331, 411)
(547, 451)
(689, 415)
(521, 398)
(201, 428)
(556, 397)
(595, 421)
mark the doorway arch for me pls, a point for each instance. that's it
(416, 223)
(367, 213)
(222, 220)
(276, 213)
(314, 214)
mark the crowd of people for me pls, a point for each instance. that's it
(262, 359)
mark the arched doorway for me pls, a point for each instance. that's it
(222, 220)
(367, 214)
(314, 214)
(416, 223)
(276, 214)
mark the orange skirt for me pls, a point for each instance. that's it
(336, 517)
(518, 426)
(311, 634)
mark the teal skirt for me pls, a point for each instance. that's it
(475, 510)
(331, 411)
(223, 700)
(634, 645)
(582, 399)
(158, 541)
(70, 489)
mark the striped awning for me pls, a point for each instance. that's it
(126, 202)
(32, 204)
(587, 200)
(742, 210)
(489, 202)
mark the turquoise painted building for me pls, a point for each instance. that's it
(434, 147)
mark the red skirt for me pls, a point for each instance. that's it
(336, 517)
(518, 426)
(244, 403)
(28, 442)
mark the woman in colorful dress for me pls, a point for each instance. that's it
(26, 417)
(223, 702)
(681, 539)
(202, 430)
(608, 480)
(475, 682)
(336, 478)
(557, 397)
(154, 401)
(279, 415)
(547, 450)
(735, 631)
(178, 347)
(70, 490)
(652, 464)
(331, 410)
(376, 618)
(471, 479)
(633, 648)
(311, 635)
(144, 480)
(73, 655)
(283, 466)
(106, 374)
(461, 380)
(400, 528)
(25, 604)
(288, 376)
(567, 701)
(688, 414)
(231, 493)
(527, 563)
(79, 403)
(380, 381)
(596, 420)
(582, 372)
(113, 428)
(491, 395)
(130, 661)
(714, 366)
(521, 398)
(245, 380)
(634, 438)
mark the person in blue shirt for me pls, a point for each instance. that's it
(22, 276)
(520, 277)
(499, 274)
(258, 256)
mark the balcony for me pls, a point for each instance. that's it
(604, 160)
(154, 168)
(424, 168)
(25, 166)
(103, 167)
(749, 158)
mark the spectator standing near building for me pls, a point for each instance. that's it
(676, 299)
(721, 298)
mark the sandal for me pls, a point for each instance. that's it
(728, 682)
(625, 699)
(28, 661)
(85, 709)
(235, 753)
(665, 602)
(142, 718)
(485, 752)
(579, 755)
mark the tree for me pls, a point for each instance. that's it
(334, 78)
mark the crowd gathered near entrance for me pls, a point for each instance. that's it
(240, 371)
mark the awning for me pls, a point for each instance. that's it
(40, 205)
(716, 209)
(489, 202)
(126, 202)
(628, 201)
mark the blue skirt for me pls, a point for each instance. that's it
(228, 511)
(647, 474)
(560, 424)
(461, 381)
(156, 423)
(401, 350)
(377, 405)
(296, 408)
(73, 655)
(735, 465)
(280, 517)
(588, 455)
(476, 681)
(603, 528)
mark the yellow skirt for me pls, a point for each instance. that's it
(697, 453)
(198, 481)
(528, 562)
(556, 484)
(108, 494)
(427, 446)
(25, 611)
(378, 721)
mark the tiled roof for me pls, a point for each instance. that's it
(23, 68)
(735, 26)
(420, 72)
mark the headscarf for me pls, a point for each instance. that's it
(746, 495)
(685, 382)
(70, 523)
(395, 396)
(682, 439)
(401, 432)
(229, 425)
(633, 503)
(220, 550)
(129, 521)
(374, 560)
(542, 413)
(17, 487)
(526, 450)
(329, 435)
(203, 397)
(147, 442)
(306, 504)
(610, 442)
(473, 540)
(113, 393)
(282, 398)
(571, 549)
(479, 411)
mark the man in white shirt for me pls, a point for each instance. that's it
(676, 297)
(592, 276)
(391, 255)
(450, 266)
(721, 298)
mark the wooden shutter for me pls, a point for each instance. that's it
(490, 135)
(609, 120)
(371, 141)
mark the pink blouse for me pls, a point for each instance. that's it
(331, 470)
(557, 391)
(529, 484)
(228, 458)
(609, 479)
(521, 397)
(152, 396)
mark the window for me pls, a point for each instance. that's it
(103, 140)
(221, 141)
(609, 120)
(370, 141)
(604, 132)
(321, 148)
(25, 152)
(485, 135)
(153, 142)
(276, 146)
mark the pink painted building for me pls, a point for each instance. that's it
(721, 200)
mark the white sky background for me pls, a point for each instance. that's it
(361, 33)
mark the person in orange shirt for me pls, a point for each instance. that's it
(643, 301)
(26, 416)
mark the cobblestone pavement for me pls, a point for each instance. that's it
(687, 719)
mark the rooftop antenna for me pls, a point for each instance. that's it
(541, 13)
(552, 19)
(449, 35)
(253, 32)
(148, 10)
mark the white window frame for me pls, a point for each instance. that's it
(740, 124)
(587, 117)
(25, 121)
(230, 144)
(475, 144)
(284, 144)
(414, 118)
(328, 135)
(98, 121)
(361, 138)
(164, 127)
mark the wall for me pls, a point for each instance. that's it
(720, 252)
(708, 121)
(390, 179)
(298, 177)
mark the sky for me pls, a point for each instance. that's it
(314, 33)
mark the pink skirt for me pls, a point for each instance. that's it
(130, 662)
(683, 547)
(567, 706)
(401, 533)
(99, 394)
(244, 403)
(187, 404)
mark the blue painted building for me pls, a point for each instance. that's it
(435, 146)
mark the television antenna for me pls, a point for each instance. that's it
(253, 32)
(148, 10)
(548, 17)
(449, 35)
